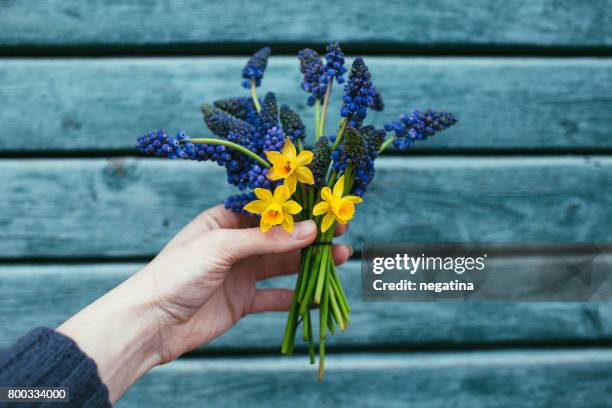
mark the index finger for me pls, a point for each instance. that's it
(210, 219)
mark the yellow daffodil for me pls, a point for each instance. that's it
(290, 166)
(335, 206)
(274, 209)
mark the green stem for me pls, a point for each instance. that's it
(235, 146)
(311, 350)
(341, 129)
(291, 326)
(325, 105)
(324, 314)
(334, 306)
(254, 96)
(307, 257)
(386, 144)
(341, 294)
(317, 108)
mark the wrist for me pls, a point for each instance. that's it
(119, 332)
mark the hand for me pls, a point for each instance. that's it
(205, 277)
(196, 288)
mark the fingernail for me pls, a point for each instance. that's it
(350, 248)
(304, 229)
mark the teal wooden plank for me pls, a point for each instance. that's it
(502, 103)
(515, 378)
(46, 295)
(131, 207)
(538, 22)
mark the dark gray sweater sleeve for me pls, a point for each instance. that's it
(46, 358)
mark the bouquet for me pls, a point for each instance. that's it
(265, 152)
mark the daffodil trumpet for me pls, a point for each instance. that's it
(266, 154)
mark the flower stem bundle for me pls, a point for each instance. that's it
(265, 152)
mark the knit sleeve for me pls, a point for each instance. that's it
(46, 358)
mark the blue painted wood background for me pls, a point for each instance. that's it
(530, 161)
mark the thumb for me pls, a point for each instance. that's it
(237, 244)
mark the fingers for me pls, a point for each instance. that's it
(341, 253)
(271, 300)
(340, 229)
(270, 266)
(213, 218)
(233, 245)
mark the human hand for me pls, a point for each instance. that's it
(198, 286)
(205, 278)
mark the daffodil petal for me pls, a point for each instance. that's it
(273, 156)
(291, 183)
(304, 175)
(288, 223)
(264, 226)
(263, 194)
(320, 208)
(304, 158)
(256, 206)
(353, 199)
(281, 194)
(292, 207)
(328, 221)
(289, 149)
(326, 194)
(273, 175)
(339, 188)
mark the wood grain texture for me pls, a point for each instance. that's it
(530, 378)
(131, 207)
(538, 22)
(46, 295)
(102, 104)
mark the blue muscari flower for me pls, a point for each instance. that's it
(378, 104)
(359, 93)
(237, 202)
(364, 175)
(273, 140)
(360, 150)
(268, 117)
(320, 163)
(239, 107)
(418, 126)
(255, 67)
(352, 150)
(292, 124)
(334, 63)
(314, 81)
(224, 125)
(159, 144)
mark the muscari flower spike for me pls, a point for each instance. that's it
(239, 107)
(320, 163)
(314, 81)
(268, 117)
(419, 126)
(237, 202)
(360, 150)
(359, 93)
(292, 124)
(379, 103)
(159, 144)
(255, 67)
(334, 63)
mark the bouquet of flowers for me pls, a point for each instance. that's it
(290, 181)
